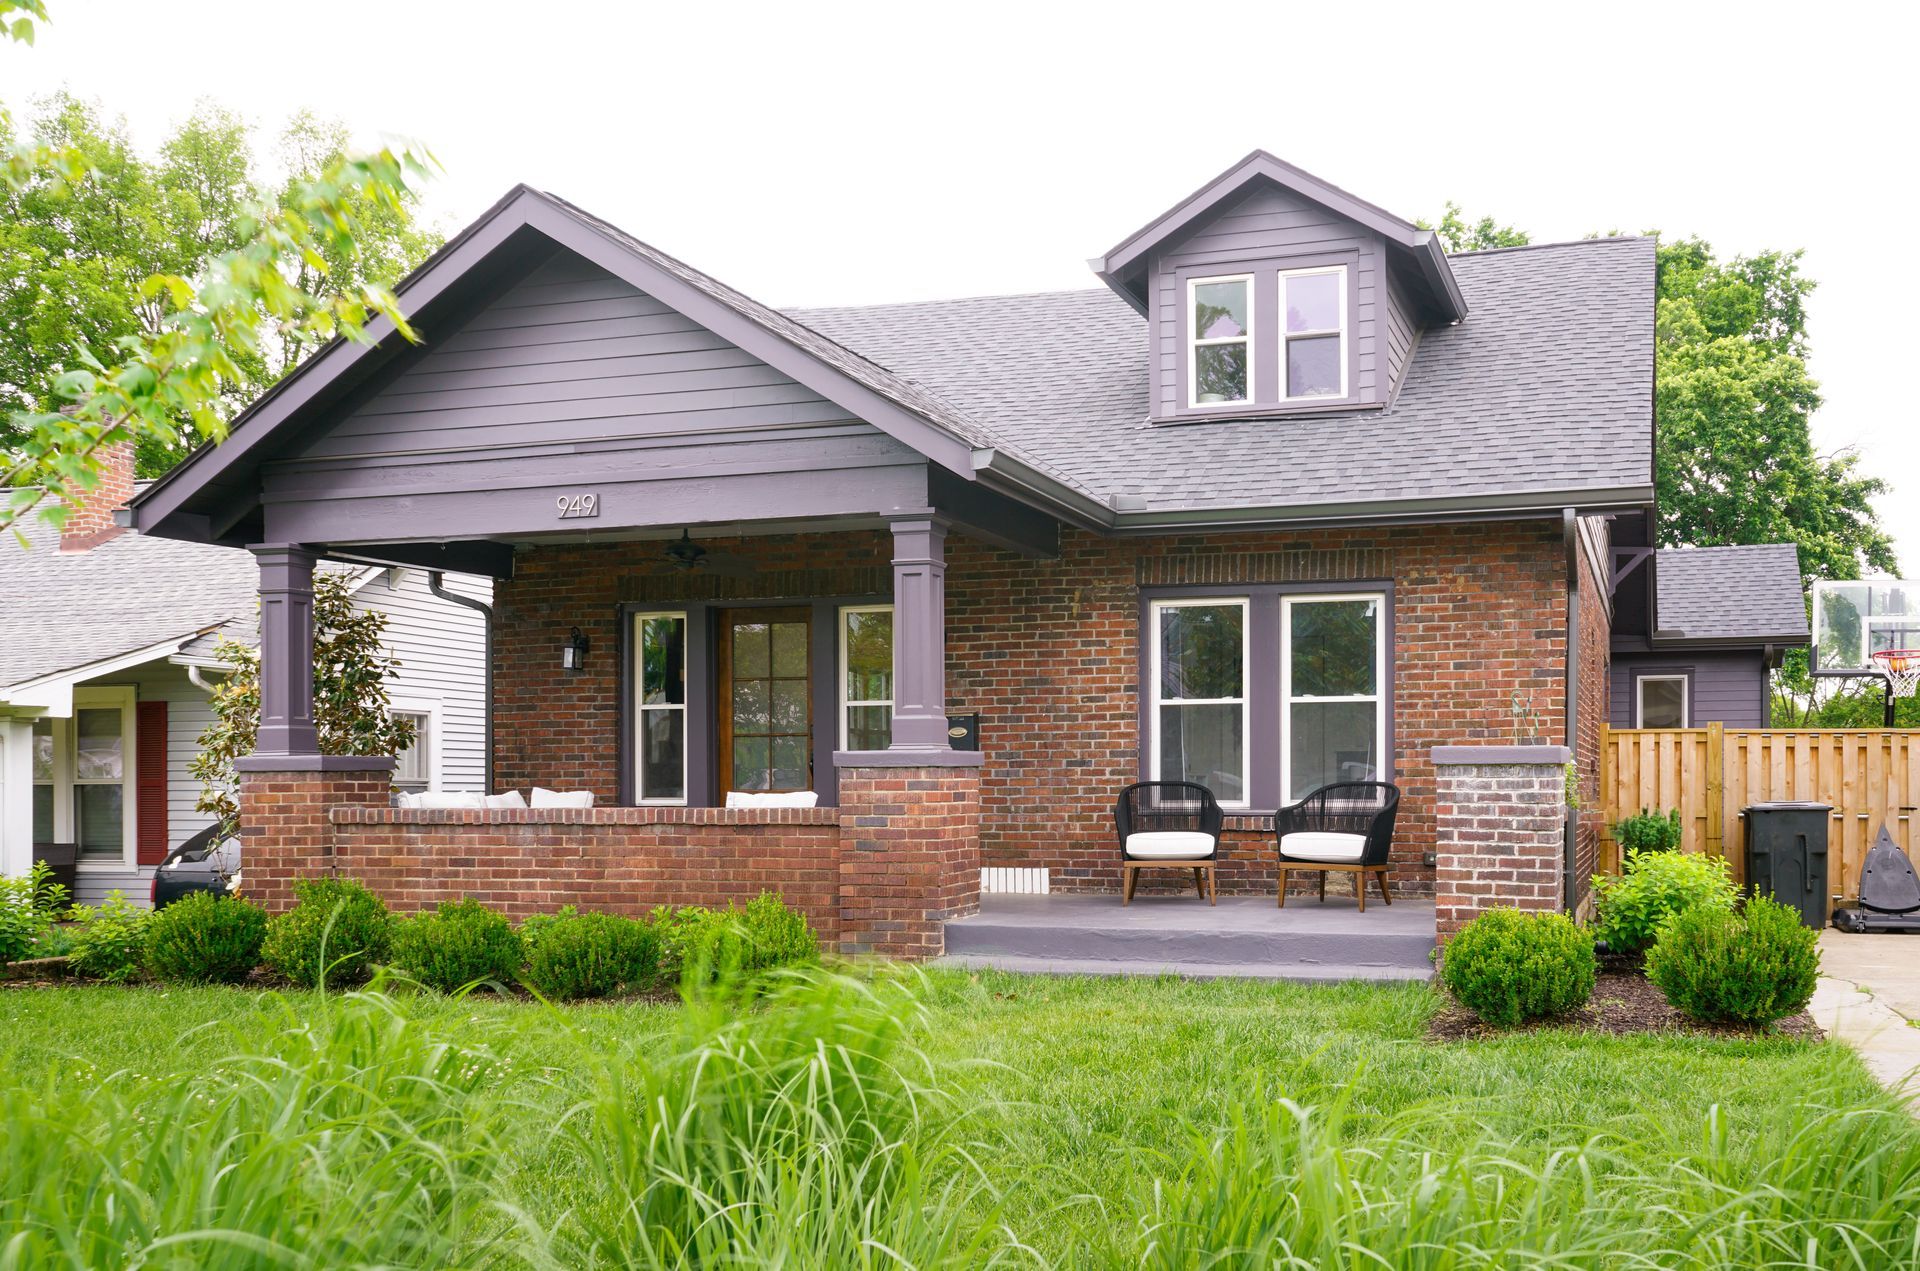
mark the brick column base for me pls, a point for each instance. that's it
(285, 831)
(909, 853)
(1500, 831)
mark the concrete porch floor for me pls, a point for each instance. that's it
(1242, 936)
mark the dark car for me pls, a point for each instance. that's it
(209, 861)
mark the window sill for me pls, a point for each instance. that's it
(1271, 410)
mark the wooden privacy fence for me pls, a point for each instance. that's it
(1870, 776)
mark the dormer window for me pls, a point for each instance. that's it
(1220, 318)
(1314, 344)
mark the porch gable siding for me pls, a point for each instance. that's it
(574, 380)
(1048, 652)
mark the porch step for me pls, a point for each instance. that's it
(1242, 936)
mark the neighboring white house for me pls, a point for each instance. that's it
(106, 658)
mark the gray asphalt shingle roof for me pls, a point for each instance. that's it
(1730, 593)
(1547, 385)
(60, 610)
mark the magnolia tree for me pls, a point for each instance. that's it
(350, 671)
(164, 385)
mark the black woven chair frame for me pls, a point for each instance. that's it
(1148, 807)
(1343, 807)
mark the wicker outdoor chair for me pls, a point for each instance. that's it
(1345, 827)
(1169, 825)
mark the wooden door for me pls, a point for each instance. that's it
(766, 700)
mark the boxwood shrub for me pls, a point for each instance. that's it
(462, 942)
(110, 943)
(767, 933)
(1629, 909)
(574, 955)
(335, 923)
(1508, 967)
(1754, 967)
(205, 939)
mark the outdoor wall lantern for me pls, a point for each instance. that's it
(573, 654)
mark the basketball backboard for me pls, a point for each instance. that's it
(1854, 620)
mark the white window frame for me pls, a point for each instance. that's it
(1287, 336)
(1378, 697)
(1244, 702)
(847, 703)
(67, 781)
(1640, 683)
(1195, 342)
(429, 738)
(641, 710)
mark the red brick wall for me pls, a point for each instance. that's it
(1502, 835)
(909, 857)
(1048, 652)
(285, 832)
(616, 860)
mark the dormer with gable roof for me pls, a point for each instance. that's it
(1269, 292)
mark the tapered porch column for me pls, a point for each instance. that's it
(286, 651)
(920, 636)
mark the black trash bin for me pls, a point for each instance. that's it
(1787, 856)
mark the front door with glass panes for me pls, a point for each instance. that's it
(766, 700)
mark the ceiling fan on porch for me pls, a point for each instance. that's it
(689, 557)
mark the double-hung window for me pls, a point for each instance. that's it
(866, 677)
(83, 778)
(1313, 339)
(413, 767)
(660, 711)
(1220, 341)
(1198, 682)
(1661, 701)
(1332, 668)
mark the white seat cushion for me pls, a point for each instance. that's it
(447, 800)
(772, 799)
(1332, 849)
(1170, 845)
(507, 799)
(562, 798)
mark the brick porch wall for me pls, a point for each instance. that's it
(285, 830)
(1502, 831)
(909, 846)
(1048, 652)
(616, 860)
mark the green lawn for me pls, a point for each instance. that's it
(1028, 1120)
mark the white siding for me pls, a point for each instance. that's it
(442, 650)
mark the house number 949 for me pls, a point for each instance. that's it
(577, 505)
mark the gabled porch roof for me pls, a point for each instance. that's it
(215, 496)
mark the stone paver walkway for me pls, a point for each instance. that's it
(1869, 996)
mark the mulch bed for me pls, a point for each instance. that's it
(1623, 1003)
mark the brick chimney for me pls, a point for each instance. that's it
(90, 522)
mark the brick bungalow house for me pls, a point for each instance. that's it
(1291, 495)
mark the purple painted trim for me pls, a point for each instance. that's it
(908, 758)
(313, 763)
(1118, 267)
(1557, 756)
(286, 650)
(1265, 781)
(920, 635)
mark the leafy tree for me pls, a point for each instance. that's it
(351, 668)
(1457, 234)
(168, 380)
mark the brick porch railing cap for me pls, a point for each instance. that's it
(907, 759)
(1557, 755)
(313, 763)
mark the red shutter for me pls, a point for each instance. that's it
(150, 782)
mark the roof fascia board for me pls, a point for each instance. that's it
(259, 422)
(1730, 644)
(1384, 512)
(53, 692)
(904, 426)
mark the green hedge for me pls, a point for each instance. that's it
(1754, 967)
(205, 939)
(1508, 967)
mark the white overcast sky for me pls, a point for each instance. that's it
(817, 153)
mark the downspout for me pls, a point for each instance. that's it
(196, 678)
(1570, 535)
(435, 577)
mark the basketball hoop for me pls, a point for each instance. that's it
(1902, 669)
